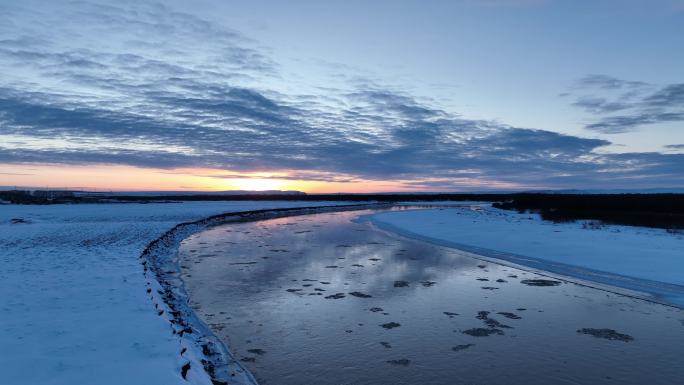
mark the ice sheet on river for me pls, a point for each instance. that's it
(637, 258)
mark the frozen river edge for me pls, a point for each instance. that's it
(207, 359)
(659, 292)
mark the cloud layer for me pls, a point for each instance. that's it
(140, 84)
(622, 106)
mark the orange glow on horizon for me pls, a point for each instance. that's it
(128, 178)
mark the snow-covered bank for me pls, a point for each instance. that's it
(642, 259)
(442, 203)
(74, 302)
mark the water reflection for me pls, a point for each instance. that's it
(321, 300)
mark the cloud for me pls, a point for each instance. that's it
(608, 82)
(623, 106)
(599, 105)
(401, 140)
(169, 90)
(14, 173)
(506, 3)
(624, 123)
(669, 96)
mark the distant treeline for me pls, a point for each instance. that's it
(650, 210)
(26, 197)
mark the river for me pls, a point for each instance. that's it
(321, 299)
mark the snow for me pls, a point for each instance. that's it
(73, 302)
(647, 260)
(442, 203)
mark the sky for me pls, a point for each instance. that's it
(342, 96)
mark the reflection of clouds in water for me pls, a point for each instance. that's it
(282, 249)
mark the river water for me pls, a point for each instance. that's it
(320, 299)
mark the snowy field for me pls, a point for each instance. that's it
(643, 259)
(73, 301)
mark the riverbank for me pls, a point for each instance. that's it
(75, 303)
(635, 258)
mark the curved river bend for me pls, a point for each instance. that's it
(319, 299)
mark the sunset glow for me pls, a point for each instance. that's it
(124, 178)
